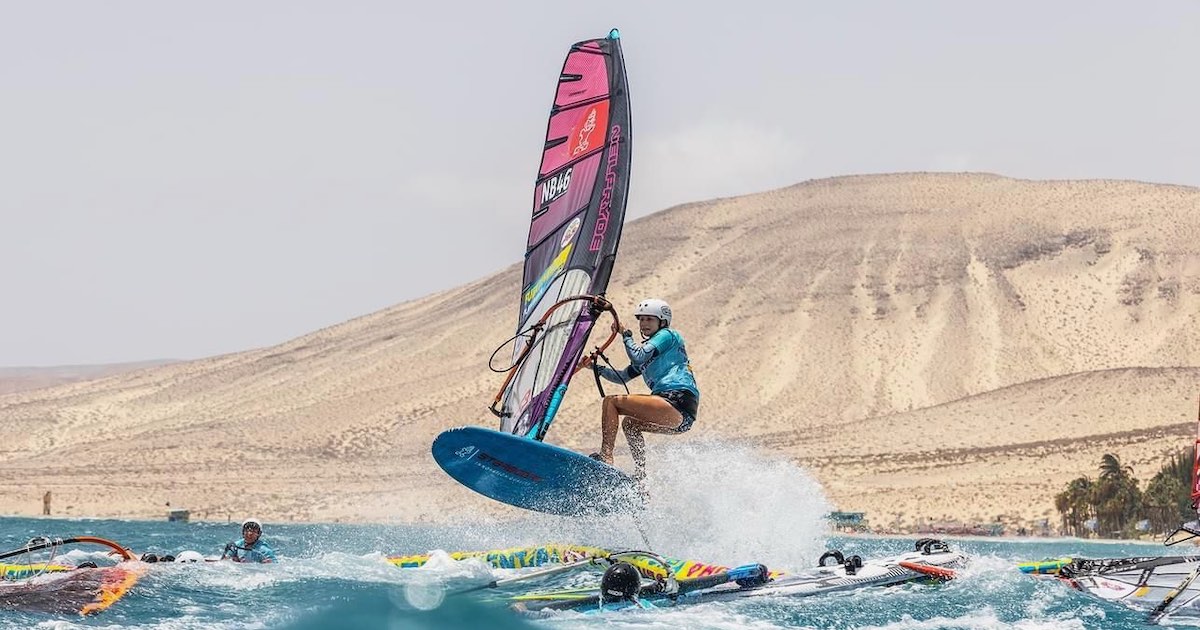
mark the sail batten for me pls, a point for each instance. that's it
(575, 226)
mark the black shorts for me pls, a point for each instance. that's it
(686, 403)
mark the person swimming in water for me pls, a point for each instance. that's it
(662, 361)
(251, 548)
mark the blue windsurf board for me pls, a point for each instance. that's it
(529, 474)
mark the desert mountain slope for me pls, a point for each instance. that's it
(849, 312)
(19, 379)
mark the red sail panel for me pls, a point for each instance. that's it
(574, 133)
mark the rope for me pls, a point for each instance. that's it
(531, 333)
(38, 543)
(598, 305)
(596, 371)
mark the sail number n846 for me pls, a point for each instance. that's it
(554, 187)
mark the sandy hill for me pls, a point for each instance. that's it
(929, 345)
(19, 379)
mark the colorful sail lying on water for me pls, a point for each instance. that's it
(82, 591)
(37, 585)
(648, 564)
(512, 558)
(1159, 585)
(577, 213)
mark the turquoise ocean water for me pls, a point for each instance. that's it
(711, 502)
(335, 576)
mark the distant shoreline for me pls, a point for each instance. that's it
(832, 534)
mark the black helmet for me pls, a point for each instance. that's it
(621, 582)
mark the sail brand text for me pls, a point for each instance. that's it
(554, 187)
(701, 570)
(610, 182)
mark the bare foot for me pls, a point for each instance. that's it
(601, 458)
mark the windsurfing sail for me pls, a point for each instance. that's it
(1191, 528)
(933, 560)
(577, 213)
(41, 585)
(1162, 586)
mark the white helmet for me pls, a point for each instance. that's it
(654, 308)
(252, 523)
(189, 556)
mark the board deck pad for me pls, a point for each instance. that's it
(533, 475)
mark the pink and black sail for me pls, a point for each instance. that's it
(577, 212)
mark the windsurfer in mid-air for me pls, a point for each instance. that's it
(661, 359)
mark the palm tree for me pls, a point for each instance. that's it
(1111, 468)
(1116, 496)
(1116, 501)
(1167, 502)
(1180, 466)
(1168, 495)
(1075, 505)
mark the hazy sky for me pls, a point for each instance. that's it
(188, 179)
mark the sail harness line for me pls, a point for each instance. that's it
(39, 543)
(598, 353)
(530, 334)
(598, 304)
